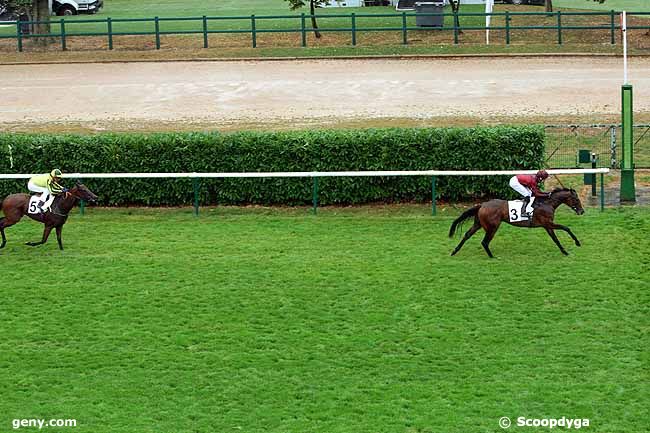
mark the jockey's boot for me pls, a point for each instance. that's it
(529, 206)
(524, 206)
(48, 203)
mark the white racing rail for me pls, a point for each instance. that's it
(315, 175)
(312, 174)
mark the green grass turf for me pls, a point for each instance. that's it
(356, 320)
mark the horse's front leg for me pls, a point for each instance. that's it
(46, 234)
(58, 237)
(551, 233)
(2, 232)
(568, 230)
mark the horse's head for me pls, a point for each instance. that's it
(570, 198)
(82, 192)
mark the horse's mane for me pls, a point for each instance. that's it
(558, 189)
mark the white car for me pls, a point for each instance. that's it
(74, 7)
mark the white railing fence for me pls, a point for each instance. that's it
(315, 175)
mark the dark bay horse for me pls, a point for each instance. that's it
(490, 214)
(15, 206)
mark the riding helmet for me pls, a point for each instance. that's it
(541, 175)
(56, 173)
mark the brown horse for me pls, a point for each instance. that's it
(491, 214)
(15, 206)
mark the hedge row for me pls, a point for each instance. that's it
(492, 148)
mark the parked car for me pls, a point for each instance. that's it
(526, 2)
(74, 7)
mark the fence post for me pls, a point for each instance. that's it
(456, 23)
(253, 31)
(354, 29)
(612, 27)
(433, 196)
(205, 31)
(594, 158)
(19, 37)
(628, 189)
(559, 27)
(157, 22)
(63, 44)
(602, 192)
(507, 27)
(109, 23)
(404, 37)
(303, 30)
(315, 195)
(612, 146)
(196, 186)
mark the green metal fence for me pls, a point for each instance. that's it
(156, 27)
(564, 142)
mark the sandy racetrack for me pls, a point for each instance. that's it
(296, 91)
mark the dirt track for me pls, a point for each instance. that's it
(241, 92)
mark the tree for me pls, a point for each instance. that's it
(313, 4)
(455, 7)
(36, 10)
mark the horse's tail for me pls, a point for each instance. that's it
(472, 212)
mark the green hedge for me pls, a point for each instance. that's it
(494, 148)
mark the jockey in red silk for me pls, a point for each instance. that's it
(527, 186)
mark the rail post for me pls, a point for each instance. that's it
(456, 30)
(354, 29)
(559, 27)
(157, 25)
(507, 27)
(109, 24)
(205, 31)
(628, 192)
(196, 186)
(594, 158)
(303, 30)
(315, 195)
(19, 36)
(433, 196)
(602, 192)
(63, 42)
(404, 35)
(253, 31)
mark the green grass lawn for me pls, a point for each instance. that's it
(123, 9)
(356, 320)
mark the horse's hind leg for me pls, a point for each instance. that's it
(551, 233)
(487, 239)
(46, 234)
(476, 227)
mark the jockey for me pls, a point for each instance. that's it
(526, 185)
(48, 186)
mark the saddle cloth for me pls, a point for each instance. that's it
(514, 211)
(33, 209)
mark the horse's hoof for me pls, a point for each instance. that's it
(453, 253)
(565, 253)
(578, 244)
